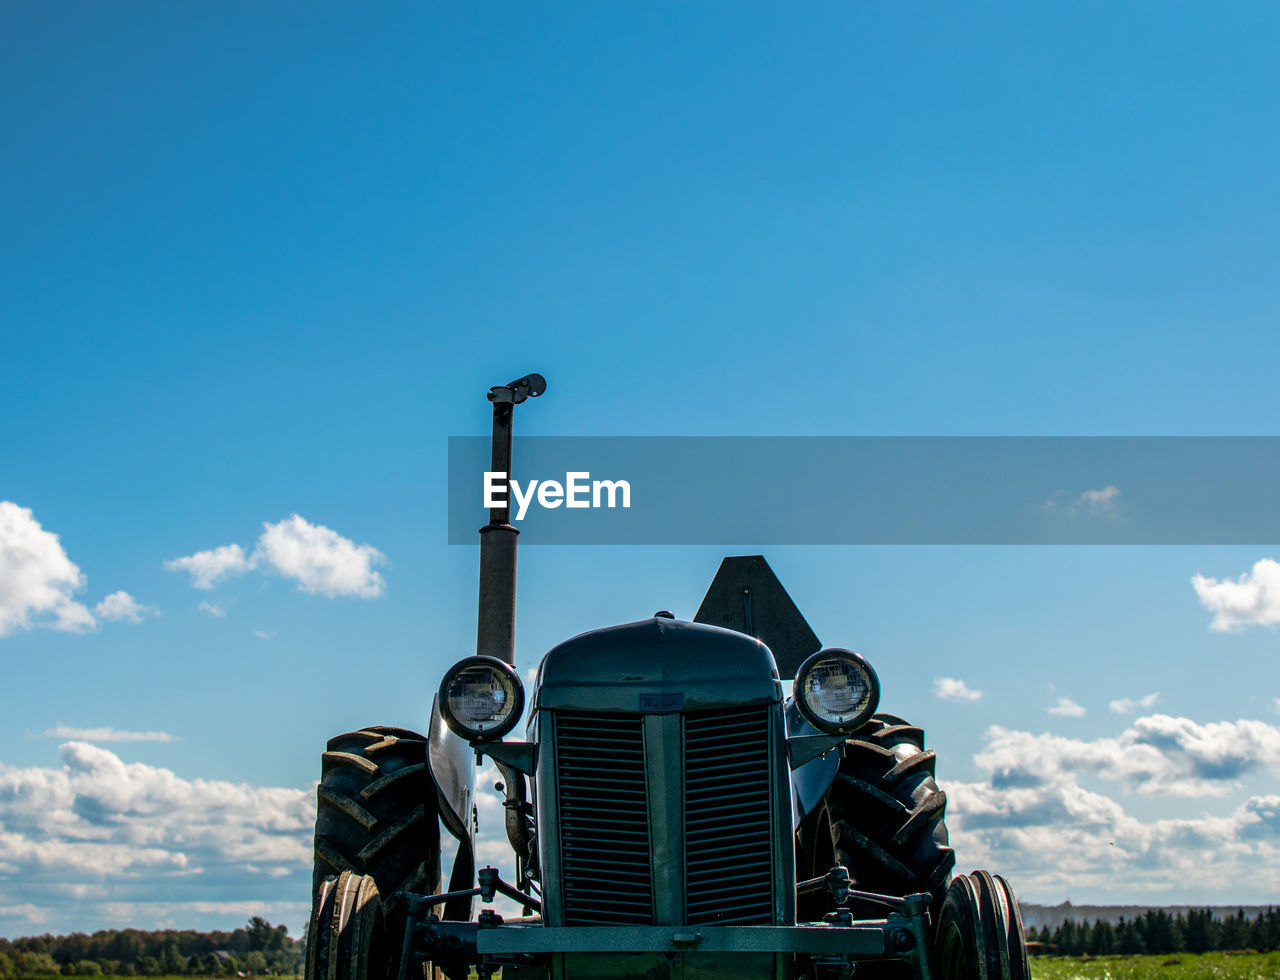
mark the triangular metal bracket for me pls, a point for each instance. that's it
(746, 596)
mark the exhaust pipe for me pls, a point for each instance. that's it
(496, 628)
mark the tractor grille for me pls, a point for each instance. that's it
(728, 877)
(604, 820)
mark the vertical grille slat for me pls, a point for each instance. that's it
(726, 763)
(604, 820)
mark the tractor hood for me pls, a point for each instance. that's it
(657, 665)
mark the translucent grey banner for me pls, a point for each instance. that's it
(875, 490)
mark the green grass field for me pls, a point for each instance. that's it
(1180, 966)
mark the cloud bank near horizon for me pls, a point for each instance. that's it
(99, 842)
(1032, 819)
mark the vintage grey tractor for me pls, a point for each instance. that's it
(674, 810)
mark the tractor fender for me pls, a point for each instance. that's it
(809, 782)
(451, 762)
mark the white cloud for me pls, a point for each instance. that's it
(1061, 840)
(97, 826)
(1252, 599)
(1031, 819)
(1091, 501)
(212, 609)
(1127, 706)
(207, 567)
(37, 579)
(953, 689)
(1100, 500)
(320, 560)
(171, 912)
(263, 634)
(121, 605)
(26, 912)
(1158, 754)
(1067, 708)
(107, 735)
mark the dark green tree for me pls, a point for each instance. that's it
(1235, 932)
(1271, 934)
(1200, 931)
(1259, 933)
(1161, 932)
(37, 965)
(1066, 938)
(260, 932)
(1102, 938)
(1129, 939)
(173, 963)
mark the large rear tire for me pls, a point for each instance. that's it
(347, 939)
(376, 811)
(979, 934)
(887, 814)
(376, 816)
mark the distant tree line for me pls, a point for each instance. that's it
(257, 949)
(1159, 932)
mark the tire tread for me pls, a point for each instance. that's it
(887, 813)
(376, 816)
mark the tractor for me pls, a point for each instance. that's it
(674, 811)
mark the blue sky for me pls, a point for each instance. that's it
(263, 262)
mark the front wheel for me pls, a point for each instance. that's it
(979, 934)
(376, 817)
(347, 939)
(887, 814)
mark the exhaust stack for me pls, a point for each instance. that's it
(496, 628)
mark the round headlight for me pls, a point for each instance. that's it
(481, 698)
(837, 691)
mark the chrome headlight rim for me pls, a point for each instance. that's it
(861, 665)
(496, 732)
